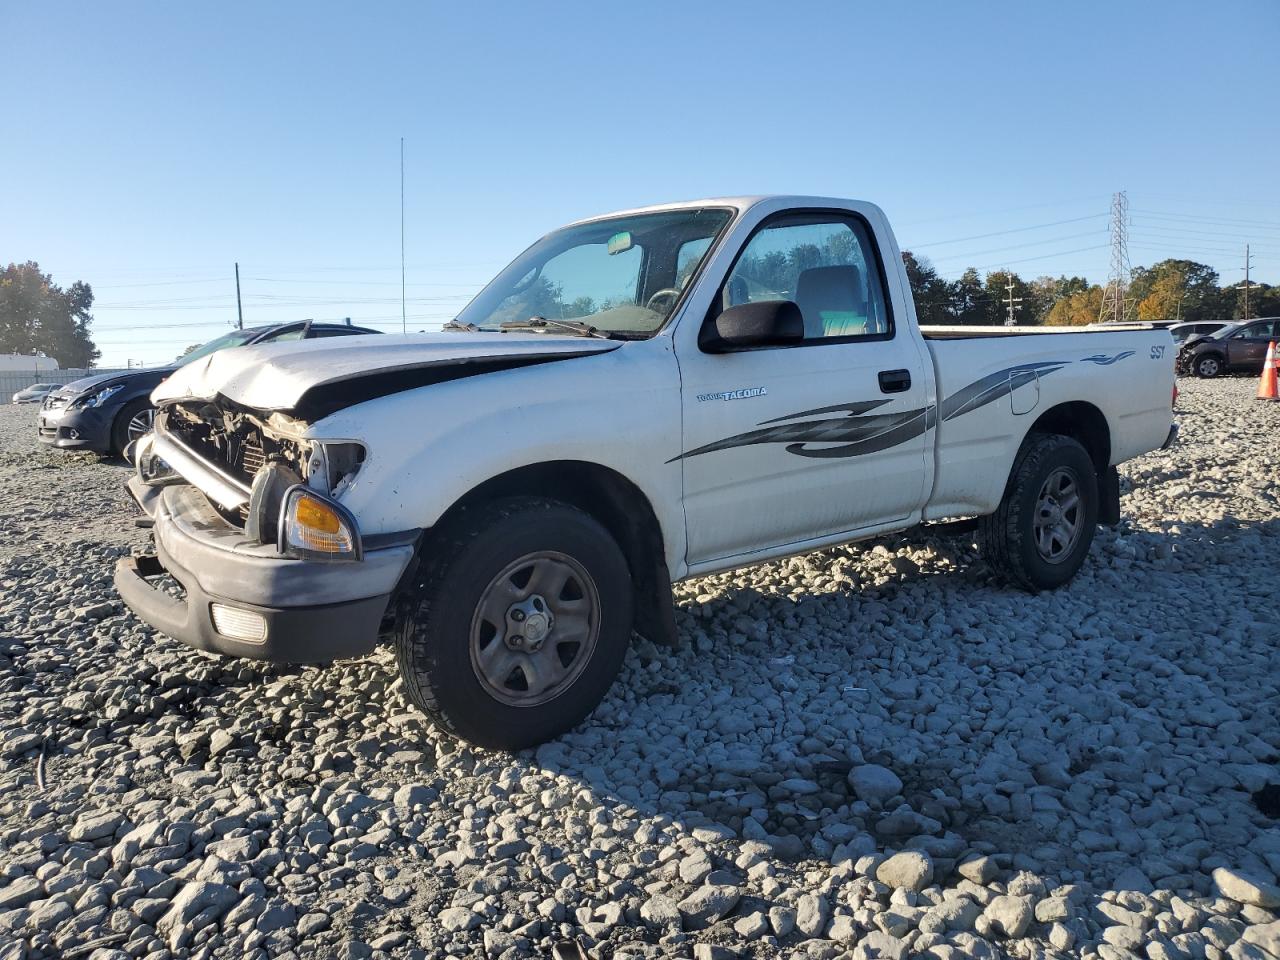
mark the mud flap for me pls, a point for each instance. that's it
(1109, 497)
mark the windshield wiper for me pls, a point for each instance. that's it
(542, 323)
(455, 325)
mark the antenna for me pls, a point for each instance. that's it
(404, 323)
(1114, 308)
(239, 309)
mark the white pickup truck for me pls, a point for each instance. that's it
(638, 398)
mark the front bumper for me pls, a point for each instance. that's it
(76, 429)
(313, 611)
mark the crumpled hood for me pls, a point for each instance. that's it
(278, 376)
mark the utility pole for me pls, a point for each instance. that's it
(404, 323)
(1010, 301)
(1114, 308)
(1246, 282)
(239, 309)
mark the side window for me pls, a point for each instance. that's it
(293, 333)
(825, 264)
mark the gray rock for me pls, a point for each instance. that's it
(978, 869)
(812, 911)
(908, 870)
(456, 919)
(192, 900)
(782, 920)
(20, 892)
(1246, 888)
(1009, 916)
(874, 784)
(95, 827)
(660, 911)
(707, 904)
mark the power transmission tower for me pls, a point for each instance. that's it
(1115, 309)
(1011, 302)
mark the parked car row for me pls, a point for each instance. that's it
(105, 413)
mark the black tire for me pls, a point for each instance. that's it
(434, 639)
(1209, 365)
(1009, 537)
(120, 426)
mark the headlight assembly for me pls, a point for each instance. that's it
(99, 398)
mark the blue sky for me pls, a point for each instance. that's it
(148, 147)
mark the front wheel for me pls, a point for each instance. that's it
(1041, 532)
(1208, 366)
(133, 422)
(518, 624)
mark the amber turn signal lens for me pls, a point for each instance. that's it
(316, 515)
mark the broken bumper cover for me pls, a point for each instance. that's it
(297, 611)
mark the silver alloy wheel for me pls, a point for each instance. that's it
(1208, 367)
(1059, 518)
(140, 424)
(535, 629)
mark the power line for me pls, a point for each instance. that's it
(1001, 233)
(1044, 256)
(1018, 246)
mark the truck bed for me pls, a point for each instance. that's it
(1015, 375)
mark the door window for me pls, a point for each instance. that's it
(825, 264)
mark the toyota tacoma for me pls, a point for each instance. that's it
(638, 398)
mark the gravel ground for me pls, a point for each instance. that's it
(867, 751)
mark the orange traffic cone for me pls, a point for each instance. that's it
(1270, 371)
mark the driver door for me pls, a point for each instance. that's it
(789, 443)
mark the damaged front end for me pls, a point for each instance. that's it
(246, 521)
(260, 472)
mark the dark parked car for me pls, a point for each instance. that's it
(106, 412)
(1236, 348)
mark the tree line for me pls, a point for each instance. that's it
(38, 316)
(1169, 290)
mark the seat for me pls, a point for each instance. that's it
(832, 301)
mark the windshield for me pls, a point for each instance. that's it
(1225, 332)
(622, 275)
(233, 339)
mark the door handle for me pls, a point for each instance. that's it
(895, 381)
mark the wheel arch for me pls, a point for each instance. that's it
(1088, 426)
(1084, 423)
(618, 504)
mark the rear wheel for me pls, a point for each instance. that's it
(1040, 534)
(133, 422)
(1209, 365)
(518, 624)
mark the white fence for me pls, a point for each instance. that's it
(11, 381)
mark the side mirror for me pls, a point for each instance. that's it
(767, 323)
